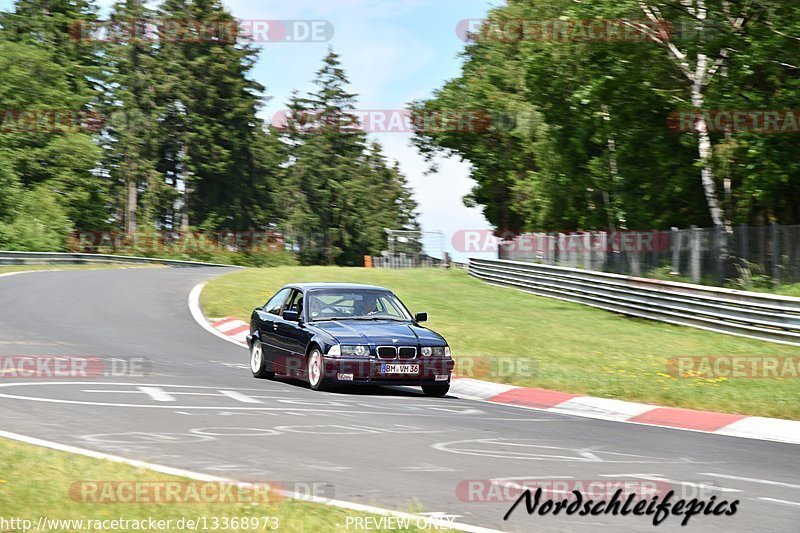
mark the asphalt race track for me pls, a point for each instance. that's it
(199, 409)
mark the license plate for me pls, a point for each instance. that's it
(387, 368)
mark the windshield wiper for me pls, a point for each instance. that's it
(362, 318)
(392, 319)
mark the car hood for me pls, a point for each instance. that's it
(380, 333)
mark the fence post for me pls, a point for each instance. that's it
(675, 236)
(694, 260)
(561, 258)
(776, 252)
(744, 243)
(719, 259)
(602, 249)
(587, 250)
(634, 256)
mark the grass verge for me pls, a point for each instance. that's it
(563, 346)
(39, 482)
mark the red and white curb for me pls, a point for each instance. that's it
(233, 328)
(752, 427)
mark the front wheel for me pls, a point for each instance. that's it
(316, 365)
(436, 390)
(258, 364)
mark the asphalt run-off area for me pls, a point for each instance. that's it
(199, 409)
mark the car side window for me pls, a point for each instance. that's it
(273, 306)
(295, 302)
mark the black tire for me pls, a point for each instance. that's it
(258, 364)
(436, 390)
(316, 370)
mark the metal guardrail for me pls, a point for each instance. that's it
(49, 258)
(749, 314)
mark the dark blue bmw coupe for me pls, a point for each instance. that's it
(334, 333)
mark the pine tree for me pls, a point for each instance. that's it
(131, 105)
(59, 26)
(209, 127)
(325, 147)
(342, 194)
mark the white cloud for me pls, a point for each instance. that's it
(440, 195)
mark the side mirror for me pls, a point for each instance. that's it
(421, 317)
(291, 316)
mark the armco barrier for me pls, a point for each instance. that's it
(50, 258)
(748, 314)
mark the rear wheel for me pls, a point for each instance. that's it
(436, 390)
(316, 365)
(258, 364)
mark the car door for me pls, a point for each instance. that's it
(292, 336)
(267, 324)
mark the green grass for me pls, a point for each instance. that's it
(783, 289)
(787, 289)
(38, 481)
(573, 348)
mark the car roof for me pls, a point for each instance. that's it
(316, 286)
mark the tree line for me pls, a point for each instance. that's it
(165, 135)
(640, 114)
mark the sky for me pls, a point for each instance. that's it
(394, 51)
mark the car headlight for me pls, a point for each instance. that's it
(427, 351)
(441, 351)
(358, 351)
(335, 351)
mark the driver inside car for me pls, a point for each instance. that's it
(369, 306)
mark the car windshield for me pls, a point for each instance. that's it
(355, 304)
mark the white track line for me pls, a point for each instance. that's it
(197, 476)
(157, 393)
(239, 397)
(677, 482)
(752, 480)
(784, 502)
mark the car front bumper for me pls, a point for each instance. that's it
(362, 370)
